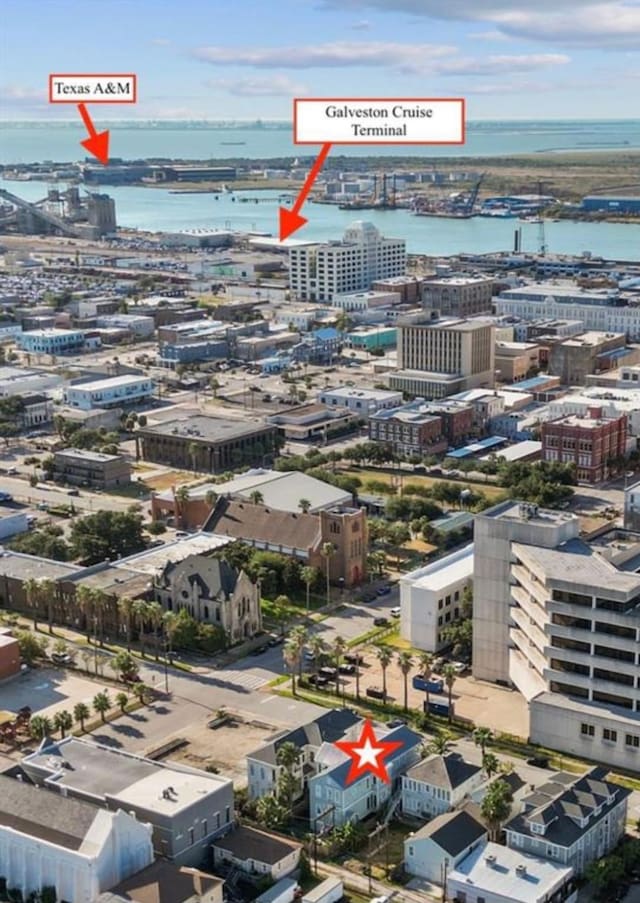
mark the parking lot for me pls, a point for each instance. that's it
(47, 690)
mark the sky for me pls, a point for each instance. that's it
(217, 59)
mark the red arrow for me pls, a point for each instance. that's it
(290, 220)
(98, 142)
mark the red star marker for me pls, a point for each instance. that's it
(368, 754)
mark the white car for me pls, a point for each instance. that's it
(395, 612)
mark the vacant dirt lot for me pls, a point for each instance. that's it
(224, 747)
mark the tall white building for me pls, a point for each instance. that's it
(317, 272)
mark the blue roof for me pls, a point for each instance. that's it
(452, 521)
(532, 383)
(326, 333)
(405, 735)
(467, 450)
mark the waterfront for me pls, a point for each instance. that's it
(155, 209)
(34, 142)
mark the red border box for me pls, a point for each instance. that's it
(79, 99)
(460, 100)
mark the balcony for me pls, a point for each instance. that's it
(528, 649)
(526, 579)
(533, 631)
(529, 606)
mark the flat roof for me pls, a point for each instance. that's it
(348, 392)
(503, 877)
(444, 572)
(109, 382)
(20, 566)
(207, 429)
(153, 560)
(97, 457)
(520, 450)
(474, 447)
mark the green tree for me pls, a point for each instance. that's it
(288, 758)
(33, 593)
(80, 713)
(125, 610)
(440, 744)
(31, 647)
(292, 657)
(101, 704)
(405, 663)
(304, 505)
(317, 647)
(271, 813)
(256, 497)
(107, 535)
(490, 764)
(309, 577)
(425, 664)
(170, 626)
(141, 616)
(124, 665)
(337, 648)
(482, 737)
(496, 806)
(384, 656)
(63, 721)
(40, 726)
(449, 674)
(155, 615)
(139, 689)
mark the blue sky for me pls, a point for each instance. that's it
(215, 59)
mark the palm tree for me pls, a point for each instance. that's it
(121, 700)
(155, 614)
(292, 656)
(328, 551)
(288, 757)
(100, 602)
(214, 385)
(181, 497)
(449, 674)
(496, 806)
(170, 623)
(304, 505)
(63, 721)
(81, 713)
(425, 664)
(193, 448)
(482, 737)
(256, 497)
(490, 764)
(405, 663)
(125, 610)
(440, 744)
(211, 497)
(101, 704)
(139, 689)
(308, 575)
(48, 590)
(40, 727)
(140, 615)
(299, 636)
(384, 656)
(317, 646)
(338, 647)
(85, 599)
(33, 593)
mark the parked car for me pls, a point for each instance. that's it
(180, 534)
(396, 612)
(61, 658)
(368, 597)
(539, 761)
(327, 672)
(275, 639)
(380, 622)
(384, 590)
(375, 692)
(396, 722)
(317, 680)
(259, 650)
(347, 669)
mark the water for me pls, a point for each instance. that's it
(33, 142)
(156, 209)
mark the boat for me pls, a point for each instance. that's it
(233, 143)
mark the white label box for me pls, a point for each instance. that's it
(375, 120)
(81, 88)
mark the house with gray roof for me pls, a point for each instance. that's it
(263, 769)
(334, 802)
(47, 839)
(257, 853)
(571, 820)
(438, 784)
(448, 838)
(212, 592)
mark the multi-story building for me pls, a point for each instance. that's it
(207, 444)
(263, 768)
(431, 599)
(594, 443)
(52, 341)
(89, 468)
(138, 326)
(187, 808)
(49, 840)
(446, 840)
(458, 295)
(612, 401)
(516, 361)
(359, 302)
(408, 431)
(101, 214)
(360, 401)
(576, 357)
(571, 820)
(408, 287)
(317, 272)
(113, 391)
(213, 592)
(607, 310)
(632, 507)
(437, 357)
(438, 784)
(37, 410)
(9, 654)
(335, 802)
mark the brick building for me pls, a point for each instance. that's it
(9, 655)
(408, 430)
(592, 443)
(90, 468)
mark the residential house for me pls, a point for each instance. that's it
(447, 839)
(572, 820)
(334, 802)
(163, 882)
(258, 854)
(213, 592)
(263, 770)
(49, 840)
(438, 784)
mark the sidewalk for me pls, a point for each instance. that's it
(428, 894)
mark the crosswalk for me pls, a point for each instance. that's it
(249, 680)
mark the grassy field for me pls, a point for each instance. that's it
(167, 480)
(490, 491)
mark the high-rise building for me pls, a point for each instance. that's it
(438, 357)
(458, 295)
(317, 272)
(559, 618)
(101, 214)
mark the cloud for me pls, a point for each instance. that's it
(489, 36)
(575, 23)
(361, 25)
(337, 53)
(270, 86)
(492, 65)
(22, 96)
(161, 42)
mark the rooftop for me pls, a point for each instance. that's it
(576, 562)
(448, 771)
(246, 521)
(109, 382)
(206, 429)
(370, 394)
(250, 843)
(510, 874)
(162, 882)
(18, 566)
(86, 455)
(326, 728)
(454, 831)
(444, 572)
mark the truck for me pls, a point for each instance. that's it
(441, 707)
(428, 684)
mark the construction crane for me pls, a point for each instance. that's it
(49, 218)
(465, 203)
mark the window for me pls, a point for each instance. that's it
(204, 827)
(609, 735)
(227, 814)
(587, 730)
(632, 740)
(192, 837)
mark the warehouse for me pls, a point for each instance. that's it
(611, 204)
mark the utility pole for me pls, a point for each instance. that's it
(322, 814)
